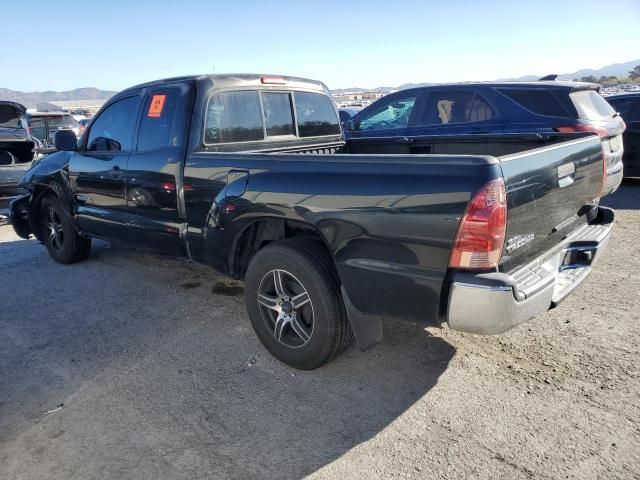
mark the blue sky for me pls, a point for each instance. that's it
(60, 45)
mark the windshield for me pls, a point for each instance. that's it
(9, 117)
(591, 106)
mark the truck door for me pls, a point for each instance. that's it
(154, 186)
(97, 169)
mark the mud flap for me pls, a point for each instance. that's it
(366, 328)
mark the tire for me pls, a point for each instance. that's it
(302, 332)
(59, 233)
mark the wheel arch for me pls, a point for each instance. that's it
(56, 187)
(260, 232)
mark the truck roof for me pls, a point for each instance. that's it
(229, 80)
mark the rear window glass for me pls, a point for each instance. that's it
(539, 101)
(277, 114)
(591, 105)
(63, 121)
(156, 127)
(316, 115)
(9, 117)
(233, 117)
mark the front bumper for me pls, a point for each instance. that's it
(492, 303)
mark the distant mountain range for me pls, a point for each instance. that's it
(30, 99)
(620, 70)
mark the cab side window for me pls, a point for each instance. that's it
(158, 116)
(113, 128)
(392, 113)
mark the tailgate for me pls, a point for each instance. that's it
(551, 192)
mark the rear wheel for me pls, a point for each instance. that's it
(294, 304)
(64, 243)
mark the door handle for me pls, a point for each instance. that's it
(116, 172)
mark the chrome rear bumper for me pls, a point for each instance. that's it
(492, 303)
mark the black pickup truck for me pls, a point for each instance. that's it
(251, 175)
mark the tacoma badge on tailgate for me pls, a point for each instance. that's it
(518, 241)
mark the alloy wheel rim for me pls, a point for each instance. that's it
(286, 308)
(55, 230)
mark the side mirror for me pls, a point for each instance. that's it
(350, 125)
(65, 140)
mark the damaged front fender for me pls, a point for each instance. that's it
(49, 175)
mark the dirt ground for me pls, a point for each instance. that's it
(136, 366)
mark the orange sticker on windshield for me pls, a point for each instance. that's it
(155, 109)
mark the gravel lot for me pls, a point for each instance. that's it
(131, 365)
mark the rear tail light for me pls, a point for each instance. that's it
(580, 127)
(481, 232)
(30, 130)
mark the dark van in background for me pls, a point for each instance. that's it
(494, 108)
(628, 105)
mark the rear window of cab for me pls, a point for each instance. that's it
(252, 115)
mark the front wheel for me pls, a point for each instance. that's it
(294, 305)
(64, 243)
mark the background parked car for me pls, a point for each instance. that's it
(44, 125)
(16, 147)
(628, 105)
(492, 108)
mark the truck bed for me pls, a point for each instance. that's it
(390, 219)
